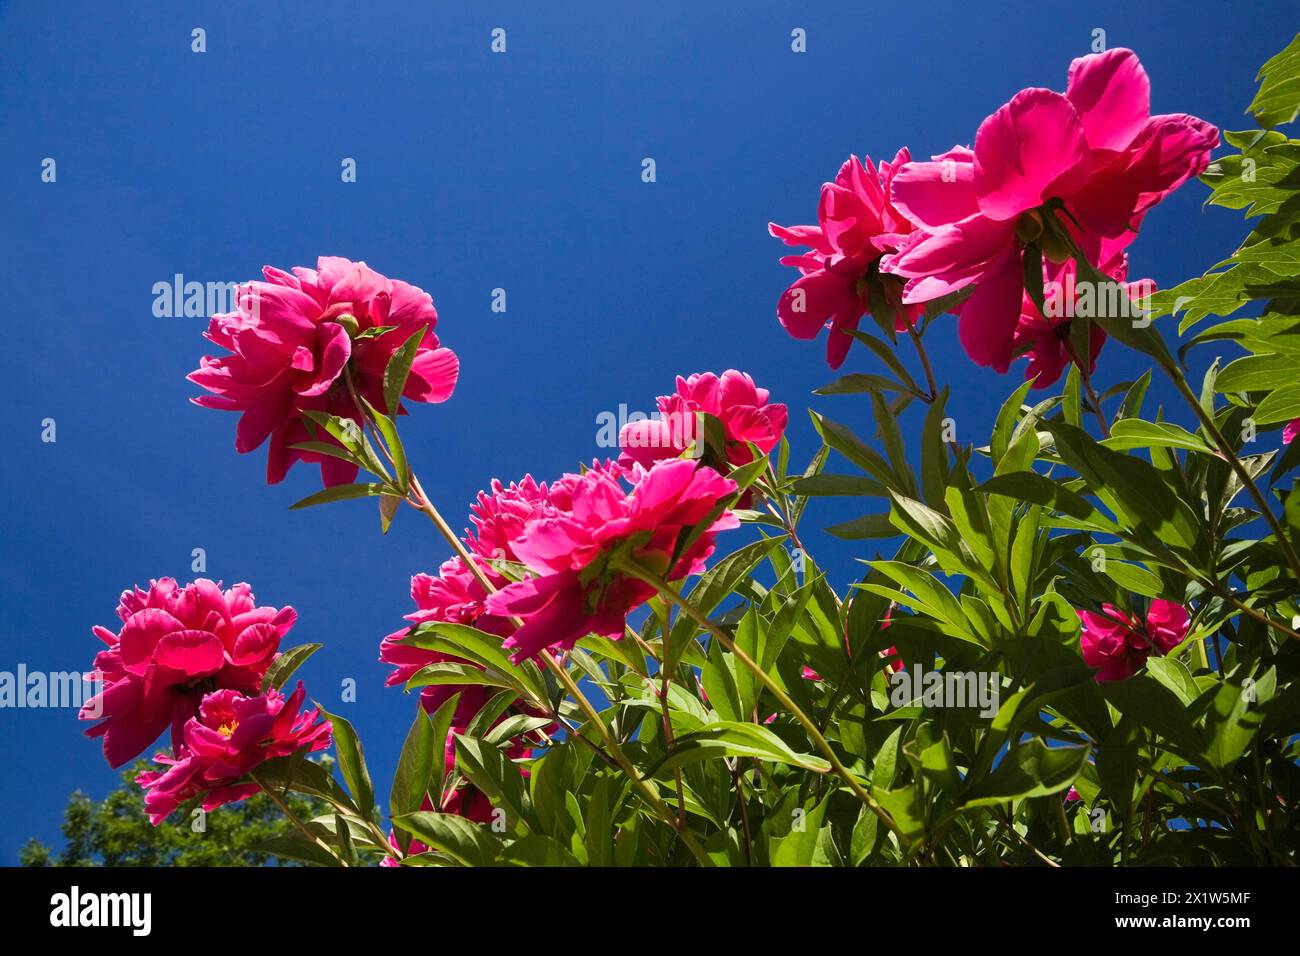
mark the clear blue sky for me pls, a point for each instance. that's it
(475, 171)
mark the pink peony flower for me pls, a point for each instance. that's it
(586, 519)
(1045, 340)
(742, 408)
(1118, 645)
(1292, 429)
(498, 518)
(1094, 152)
(291, 341)
(857, 224)
(177, 644)
(231, 735)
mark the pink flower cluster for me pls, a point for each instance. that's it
(857, 225)
(300, 339)
(743, 408)
(231, 735)
(566, 534)
(193, 658)
(589, 520)
(175, 645)
(1061, 171)
(1117, 644)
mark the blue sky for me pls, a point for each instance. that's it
(474, 171)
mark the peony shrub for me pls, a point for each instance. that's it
(1080, 650)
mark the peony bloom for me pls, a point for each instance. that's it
(1118, 645)
(1045, 340)
(1292, 429)
(741, 406)
(587, 518)
(231, 735)
(293, 338)
(177, 644)
(841, 281)
(1043, 162)
(498, 518)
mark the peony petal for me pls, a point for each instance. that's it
(433, 376)
(936, 193)
(989, 317)
(1112, 95)
(1031, 149)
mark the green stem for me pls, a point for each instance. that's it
(294, 819)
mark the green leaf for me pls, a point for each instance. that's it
(1040, 490)
(1030, 769)
(1278, 98)
(285, 664)
(729, 738)
(798, 846)
(291, 846)
(388, 429)
(934, 453)
(1006, 422)
(1117, 764)
(341, 493)
(536, 850)
(352, 763)
(1235, 714)
(887, 355)
(1174, 675)
(478, 647)
(1136, 433)
(414, 767)
(868, 526)
(494, 774)
(1281, 405)
(1072, 397)
(465, 842)
(856, 384)
(825, 485)
(399, 369)
(1154, 707)
(842, 439)
(1129, 486)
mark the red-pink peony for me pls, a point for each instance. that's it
(1117, 644)
(841, 281)
(1042, 163)
(742, 407)
(294, 338)
(177, 644)
(231, 735)
(586, 519)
